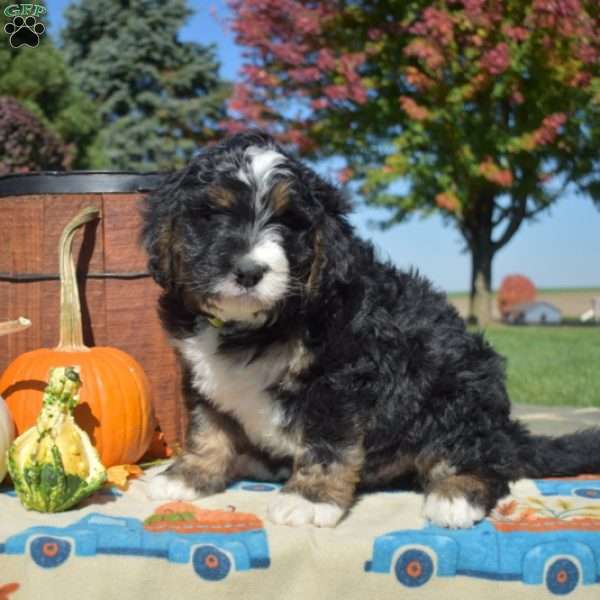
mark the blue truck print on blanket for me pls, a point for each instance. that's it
(551, 542)
(214, 541)
(578, 486)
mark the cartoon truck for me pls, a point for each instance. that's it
(214, 541)
(504, 551)
(584, 486)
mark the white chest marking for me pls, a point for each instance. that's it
(240, 389)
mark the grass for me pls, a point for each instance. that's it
(550, 365)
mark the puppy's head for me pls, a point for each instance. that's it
(242, 229)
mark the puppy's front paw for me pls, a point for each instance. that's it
(294, 510)
(164, 487)
(456, 513)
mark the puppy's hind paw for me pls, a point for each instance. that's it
(163, 487)
(294, 510)
(455, 513)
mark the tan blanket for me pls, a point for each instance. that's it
(543, 540)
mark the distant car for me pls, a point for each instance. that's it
(491, 552)
(212, 554)
(577, 486)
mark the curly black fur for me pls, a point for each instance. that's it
(394, 378)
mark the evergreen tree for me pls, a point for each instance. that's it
(41, 82)
(159, 98)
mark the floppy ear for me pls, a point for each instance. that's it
(333, 260)
(159, 234)
(324, 194)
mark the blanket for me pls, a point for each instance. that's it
(541, 541)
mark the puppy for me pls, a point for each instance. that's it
(308, 359)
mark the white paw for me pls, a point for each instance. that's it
(163, 487)
(456, 513)
(294, 510)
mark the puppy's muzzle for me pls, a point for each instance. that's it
(248, 272)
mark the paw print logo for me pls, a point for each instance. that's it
(24, 32)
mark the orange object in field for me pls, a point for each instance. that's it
(115, 408)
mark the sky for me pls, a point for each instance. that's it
(560, 249)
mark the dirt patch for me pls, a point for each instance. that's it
(572, 303)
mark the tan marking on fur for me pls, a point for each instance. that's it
(315, 270)
(279, 198)
(212, 444)
(396, 468)
(221, 196)
(467, 486)
(300, 360)
(332, 483)
(441, 470)
(431, 467)
(169, 250)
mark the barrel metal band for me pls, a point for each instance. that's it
(34, 277)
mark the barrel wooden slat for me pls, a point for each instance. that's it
(131, 307)
(26, 252)
(122, 235)
(116, 312)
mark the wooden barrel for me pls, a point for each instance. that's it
(118, 296)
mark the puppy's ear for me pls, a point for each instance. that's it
(159, 235)
(325, 195)
(333, 259)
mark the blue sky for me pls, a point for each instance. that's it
(560, 249)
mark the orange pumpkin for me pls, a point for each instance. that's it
(115, 408)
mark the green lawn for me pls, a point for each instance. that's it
(550, 365)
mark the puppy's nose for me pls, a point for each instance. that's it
(248, 272)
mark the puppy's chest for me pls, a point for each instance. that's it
(239, 387)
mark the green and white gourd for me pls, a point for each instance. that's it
(54, 465)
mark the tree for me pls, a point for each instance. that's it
(158, 97)
(26, 144)
(515, 289)
(484, 110)
(38, 78)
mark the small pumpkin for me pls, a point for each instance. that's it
(115, 408)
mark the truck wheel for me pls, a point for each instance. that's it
(210, 563)
(562, 576)
(588, 493)
(414, 568)
(49, 552)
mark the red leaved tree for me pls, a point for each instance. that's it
(484, 110)
(26, 144)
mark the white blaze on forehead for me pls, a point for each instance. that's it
(263, 161)
(260, 165)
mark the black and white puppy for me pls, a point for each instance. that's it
(307, 358)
